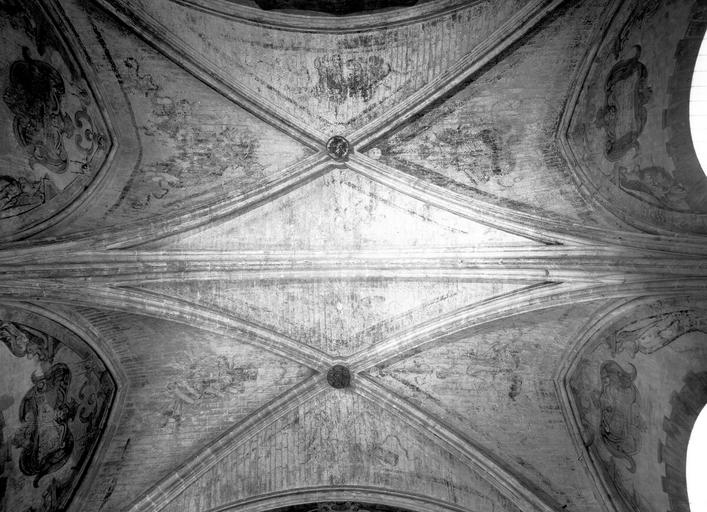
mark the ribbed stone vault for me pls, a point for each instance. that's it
(443, 257)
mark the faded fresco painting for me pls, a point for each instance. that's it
(620, 131)
(55, 395)
(624, 387)
(53, 137)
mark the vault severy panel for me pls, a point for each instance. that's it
(627, 132)
(367, 445)
(494, 139)
(333, 81)
(338, 317)
(56, 398)
(187, 386)
(496, 387)
(343, 211)
(192, 144)
(55, 137)
(627, 387)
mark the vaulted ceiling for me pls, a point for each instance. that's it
(435, 256)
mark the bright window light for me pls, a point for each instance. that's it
(697, 464)
(698, 106)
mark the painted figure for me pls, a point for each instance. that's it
(650, 334)
(20, 195)
(624, 114)
(620, 424)
(45, 412)
(341, 79)
(24, 341)
(34, 96)
(653, 185)
(204, 380)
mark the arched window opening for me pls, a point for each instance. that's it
(336, 7)
(697, 464)
(698, 106)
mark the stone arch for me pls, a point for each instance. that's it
(685, 406)
(680, 145)
(362, 499)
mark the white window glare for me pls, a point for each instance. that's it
(698, 106)
(697, 464)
